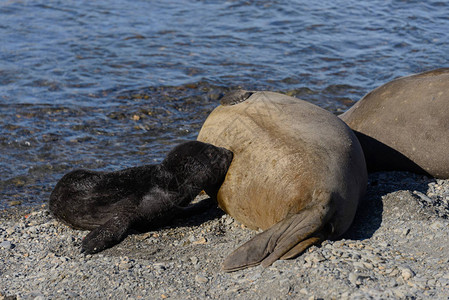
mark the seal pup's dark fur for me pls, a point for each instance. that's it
(112, 203)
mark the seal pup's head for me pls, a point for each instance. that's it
(199, 165)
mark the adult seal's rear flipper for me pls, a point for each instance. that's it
(235, 97)
(286, 239)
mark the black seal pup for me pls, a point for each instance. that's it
(298, 173)
(404, 124)
(112, 203)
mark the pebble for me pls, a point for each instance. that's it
(159, 266)
(229, 221)
(201, 279)
(407, 273)
(436, 225)
(354, 278)
(6, 245)
(443, 281)
(358, 265)
(315, 257)
(389, 255)
(194, 260)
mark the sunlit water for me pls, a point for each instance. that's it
(111, 84)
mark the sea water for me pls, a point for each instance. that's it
(111, 84)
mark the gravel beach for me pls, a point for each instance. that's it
(396, 249)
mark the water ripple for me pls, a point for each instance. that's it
(108, 84)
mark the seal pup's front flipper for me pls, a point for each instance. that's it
(286, 239)
(107, 235)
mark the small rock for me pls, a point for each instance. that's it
(392, 272)
(384, 244)
(304, 291)
(407, 273)
(358, 265)
(7, 245)
(376, 260)
(315, 257)
(200, 241)
(337, 252)
(160, 266)
(125, 265)
(229, 221)
(399, 293)
(443, 281)
(354, 278)
(392, 282)
(201, 279)
(354, 255)
(194, 260)
(368, 265)
(344, 295)
(436, 225)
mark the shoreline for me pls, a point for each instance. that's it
(396, 248)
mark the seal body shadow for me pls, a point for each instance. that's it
(298, 173)
(404, 124)
(112, 203)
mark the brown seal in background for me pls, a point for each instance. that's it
(404, 124)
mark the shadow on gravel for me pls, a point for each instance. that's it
(193, 216)
(198, 214)
(369, 214)
(367, 221)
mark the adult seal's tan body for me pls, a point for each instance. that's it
(404, 124)
(298, 173)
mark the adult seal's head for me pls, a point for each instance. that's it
(298, 173)
(404, 124)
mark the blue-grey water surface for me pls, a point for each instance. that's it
(111, 84)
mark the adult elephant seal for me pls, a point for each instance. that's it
(404, 124)
(298, 173)
(112, 203)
